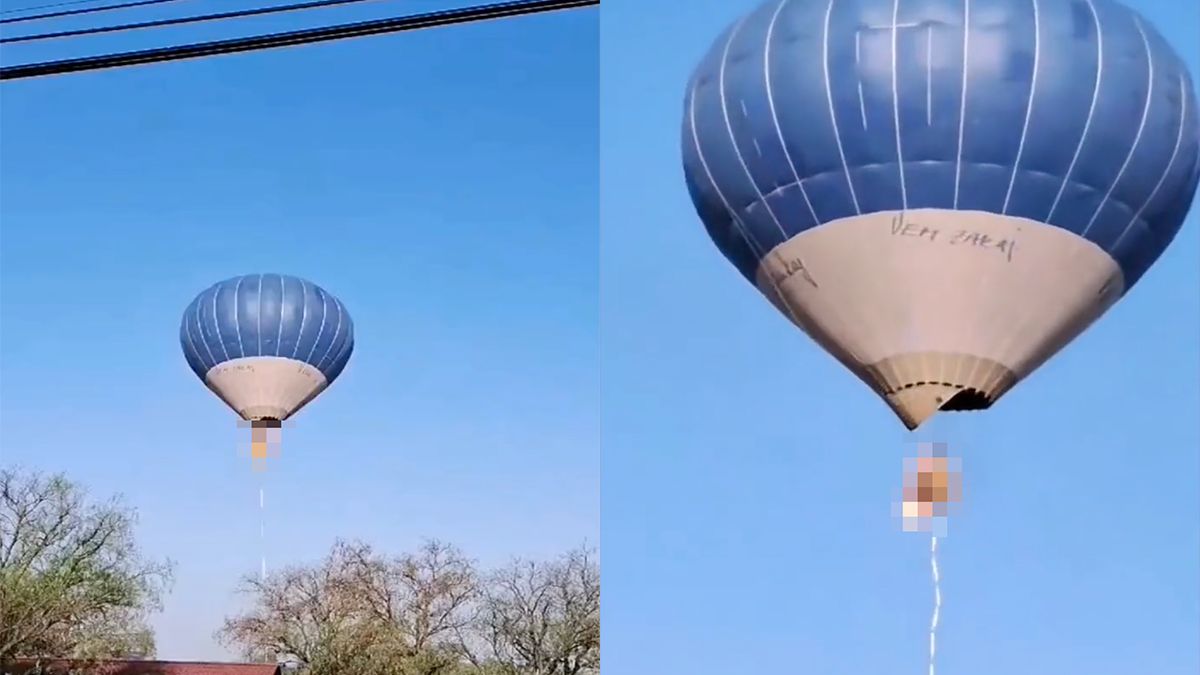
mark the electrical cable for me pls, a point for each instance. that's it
(237, 14)
(73, 12)
(292, 38)
(53, 4)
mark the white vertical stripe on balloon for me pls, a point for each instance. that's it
(1183, 98)
(237, 322)
(1087, 126)
(337, 329)
(929, 76)
(896, 104)
(837, 134)
(187, 325)
(962, 107)
(1137, 138)
(755, 248)
(216, 289)
(282, 305)
(216, 322)
(862, 100)
(1037, 55)
(783, 236)
(775, 116)
(347, 345)
(258, 333)
(200, 328)
(320, 331)
(303, 315)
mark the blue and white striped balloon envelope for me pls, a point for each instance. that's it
(267, 344)
(942, 193)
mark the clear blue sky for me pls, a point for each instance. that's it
(442, 183)
(747, 477)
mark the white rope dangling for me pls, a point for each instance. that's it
(262, 534)
(937, 603)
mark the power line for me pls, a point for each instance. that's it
(181, 20)
(299, 37)
(53, 4)
(73, 12)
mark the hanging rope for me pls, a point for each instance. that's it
(937, 603)
(262, 533)
(932, 485)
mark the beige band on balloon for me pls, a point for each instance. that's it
(938, 309)
(265, 387)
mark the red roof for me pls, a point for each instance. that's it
(58, 667)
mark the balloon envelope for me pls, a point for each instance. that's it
(942, 193)
(267, 344)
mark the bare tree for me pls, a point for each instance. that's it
(426, 613)
(361, 612)
(542, 618)
(72, 581)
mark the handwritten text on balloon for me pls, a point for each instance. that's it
(901, 227)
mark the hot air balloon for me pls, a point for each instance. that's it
(266, 344)
(941, 193)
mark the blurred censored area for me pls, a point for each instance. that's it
(265, 436)
(932, 489)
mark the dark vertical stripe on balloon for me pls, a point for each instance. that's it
(291, 314)
(807, 127)
(329, 331)
(197, 335)
(315, 304)
(209, 326)
(339, 334)
(335, 367)
(721, 154)
(194, 358)
(720, 221)
(754, 134)
(247, 306)
(997, 102)
(219, 310)
(1115, 122)
(270, 313)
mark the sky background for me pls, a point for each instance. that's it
(442, 183)
(748, 478)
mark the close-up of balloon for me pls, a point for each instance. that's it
(942, 194)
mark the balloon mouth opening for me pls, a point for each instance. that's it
(966, 400)
(266, 423)
(917, 402)
(916, 384)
